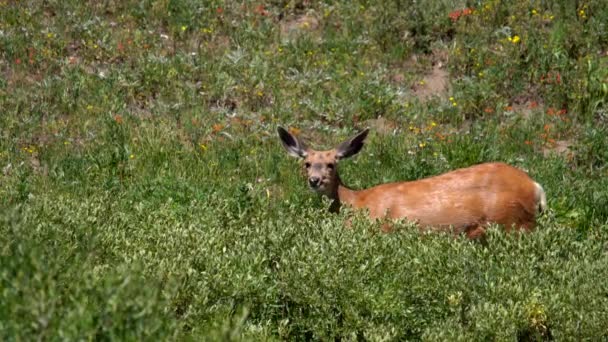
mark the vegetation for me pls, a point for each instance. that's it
(144, 193)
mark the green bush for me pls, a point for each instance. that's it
(144, 194)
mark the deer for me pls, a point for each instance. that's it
(465, 200)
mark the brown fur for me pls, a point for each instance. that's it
(465, 200)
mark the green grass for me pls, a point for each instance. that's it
(144, 192)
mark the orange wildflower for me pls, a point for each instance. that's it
(217, 127)
(294, 131)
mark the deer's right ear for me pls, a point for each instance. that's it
(293, 145)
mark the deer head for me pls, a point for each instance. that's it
(321, 166)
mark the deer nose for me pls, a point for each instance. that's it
(314, 182)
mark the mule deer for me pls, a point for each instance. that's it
(465, 200)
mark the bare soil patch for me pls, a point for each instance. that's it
(296, 26)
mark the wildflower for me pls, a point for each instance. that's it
(260, 10)
(515, 39)
(433, 124)
(294, 130)
(118, 119)
(184, 28)
(89, 107)
(17, 60)
(454, 15)
(260, 93)
(203, 147)
(29, 149)
(422, 145)
(534, 12)
(132, 156)
(217, 127)
(219, 10)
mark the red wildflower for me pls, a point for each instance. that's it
(31, 54)
(455, 15)
(17, 60)
(219, 10)
(259, 9)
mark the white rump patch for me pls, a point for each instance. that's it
(541, 198)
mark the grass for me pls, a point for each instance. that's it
(145, 193)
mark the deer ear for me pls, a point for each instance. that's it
(352, 146)
(293, 145)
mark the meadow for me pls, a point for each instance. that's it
(145, 195)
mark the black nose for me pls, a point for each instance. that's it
(314, 182)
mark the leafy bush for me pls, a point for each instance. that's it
(144, 193)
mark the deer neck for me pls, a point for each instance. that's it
(341, 194)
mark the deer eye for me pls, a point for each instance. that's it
(330, 166)
(307, 165)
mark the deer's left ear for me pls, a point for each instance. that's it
(352, 146)
(293, 145)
